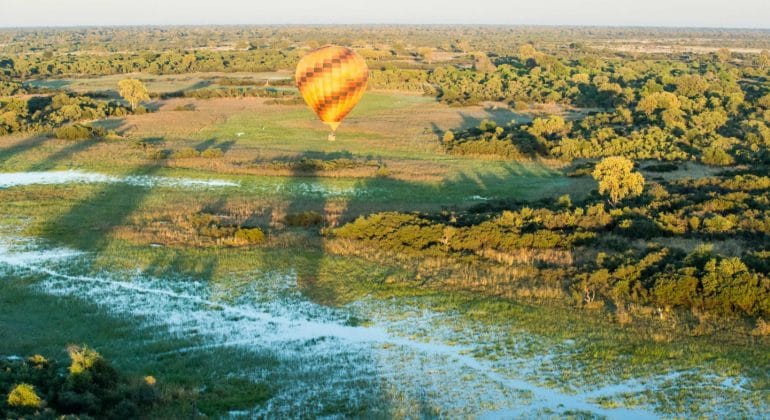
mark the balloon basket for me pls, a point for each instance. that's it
(332, 137)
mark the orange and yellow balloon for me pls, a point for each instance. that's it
(332, 80)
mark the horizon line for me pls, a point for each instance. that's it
(374, 24)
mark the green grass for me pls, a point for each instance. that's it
(35, 323)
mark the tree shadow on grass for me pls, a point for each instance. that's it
(59, 156)
(110, 124)
(23, 146)
(87, 225)
(213, 143)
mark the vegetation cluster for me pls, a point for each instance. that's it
(89, 387)
(697, 245)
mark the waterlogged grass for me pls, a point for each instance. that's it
(84, 217)
(35, 323)
(556, 348)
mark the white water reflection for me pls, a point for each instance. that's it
(269, 314)
(16, 179)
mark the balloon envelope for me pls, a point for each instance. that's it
(332, 80)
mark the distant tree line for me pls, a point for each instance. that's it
(30, 66)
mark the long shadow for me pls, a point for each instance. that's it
(502, 116)
(87, 225)
(224, 145)
(181, 92)
(111, 124)
(56, 158)
(90, 223)
(22, 146)
(470, 128)
(56, 84)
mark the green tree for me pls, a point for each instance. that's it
(717, 156)
(617, 179)
(691, 85)
(448, 137)
(527, 51)
(425, 53)
(665, 101)
(763, 59)
(553, 127)
(724, 55)
(133, 91)
(24, 395)
(482, 63)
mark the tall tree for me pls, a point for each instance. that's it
(617, 180)
(133, 91)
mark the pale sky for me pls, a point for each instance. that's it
(689, 13)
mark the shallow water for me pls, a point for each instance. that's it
(276, 186)
(17, 179)
(416, 357)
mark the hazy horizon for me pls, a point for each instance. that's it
(713, 14)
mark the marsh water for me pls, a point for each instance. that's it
(395, 356)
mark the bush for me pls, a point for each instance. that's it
(83, 359)
(382, 171)
(491, 147)
(718, 224)
(88, 388)
(185, 153)
(717, 156)
(24, 396)
(250, 235)
(212, 153)
(77, 132)
(157, 154)
(305, 219)
(185, 107)
(581, 169)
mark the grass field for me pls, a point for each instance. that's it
(288, 328)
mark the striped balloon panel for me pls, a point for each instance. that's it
(332, 80)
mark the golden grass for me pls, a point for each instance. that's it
(485, 277)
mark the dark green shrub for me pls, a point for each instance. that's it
(77, 132)
(662, 167)
(157, 154)
(305, 219)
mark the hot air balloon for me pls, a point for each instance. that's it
(332, 80)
